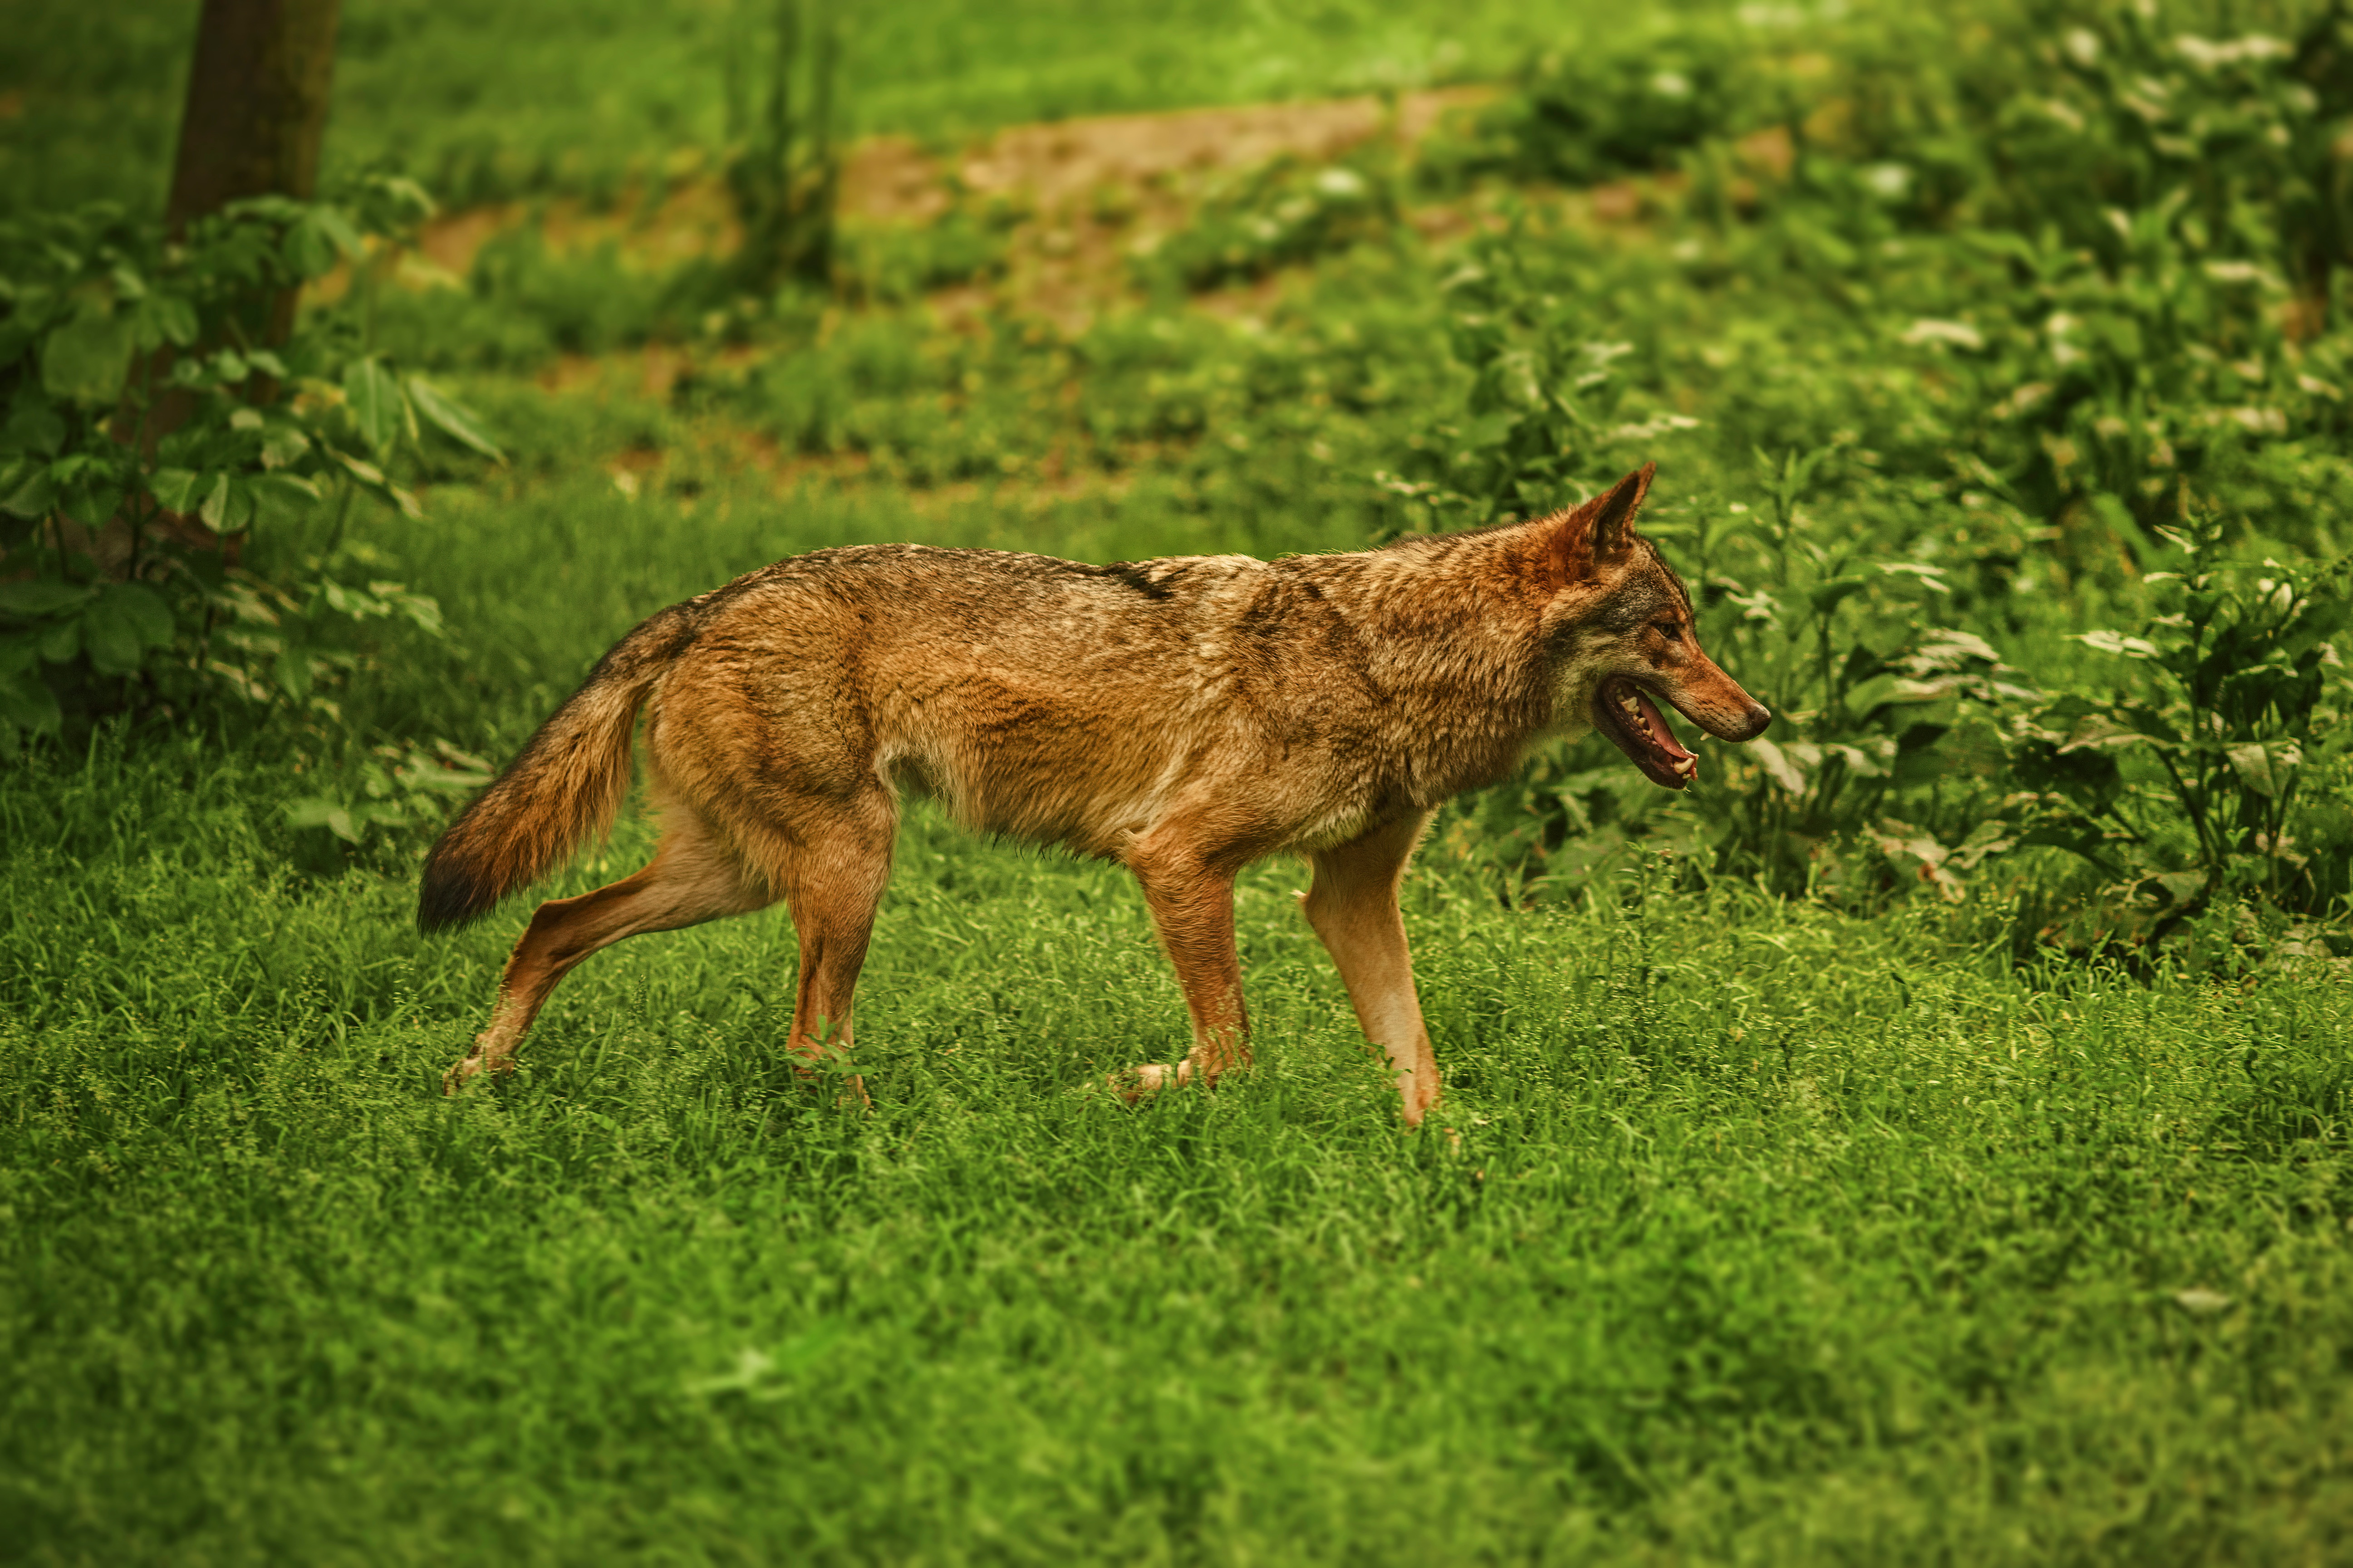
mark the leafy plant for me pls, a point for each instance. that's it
(391, 786)
(1282, 211)
(784, 169)
(147, 441)
(2182, 781)
(1548, 394)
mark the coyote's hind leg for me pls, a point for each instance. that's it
(1353, 905)
(693, 878)
(1192, 904)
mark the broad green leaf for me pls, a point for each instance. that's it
(62, 641)
(2117, 642)
(215, 508)
(176, 490)
(293, 672)
(2075, 838)
(420, 610)
(26, 701)
(450, 417)
(87, 360)
(318, 811)
(1930, 577)
(2265, 769)
(1777, 766)
(34, 597)
(227, 505)
(1860, 762)
(33, 427)
(1827, 596)
(110, 638)
(165, 318)
(309, 810)
(281, 444)
(308, 249)
(280, 498)
(2101, 729)
(367, 473)
(1947, 646)
(2147, 721)
(142, 609)
(375, 402)
(19, 650)
(337, 226)
(1881, 690)
(33, 496)
(93, 502)
(431, 775)
(2275, 682)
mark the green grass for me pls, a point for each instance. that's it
(1772, 1235)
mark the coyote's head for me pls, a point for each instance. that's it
(1621, 626)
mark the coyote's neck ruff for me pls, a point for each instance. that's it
(1184, 716)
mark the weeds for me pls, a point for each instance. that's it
(149, 437)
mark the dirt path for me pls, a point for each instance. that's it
(1058, 171)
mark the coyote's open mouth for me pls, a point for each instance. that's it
(1624, 711)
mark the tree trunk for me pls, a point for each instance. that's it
(256, 113)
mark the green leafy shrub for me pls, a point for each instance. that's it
(393, 787)
(894, 263)
(2013, 373)
(2182, 779)
(150, 438)
(1627, 100)
(1284, 212)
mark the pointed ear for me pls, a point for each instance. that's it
(1603, 527)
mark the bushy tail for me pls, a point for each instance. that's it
(565, 788)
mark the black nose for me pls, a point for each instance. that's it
(1758, 717)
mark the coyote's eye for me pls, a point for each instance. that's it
(1668, 629)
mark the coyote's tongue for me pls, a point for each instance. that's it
(1647, 714)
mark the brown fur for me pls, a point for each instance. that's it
(1184, 717)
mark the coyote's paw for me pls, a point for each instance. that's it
(462, 1073)
(820, 1068)
(1132, 1084)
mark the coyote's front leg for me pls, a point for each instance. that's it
(1353, 905)
(1192, 903)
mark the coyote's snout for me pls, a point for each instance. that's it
(1184, 717)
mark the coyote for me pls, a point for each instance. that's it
(1183, 717)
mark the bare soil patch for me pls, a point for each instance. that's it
(1154, 161)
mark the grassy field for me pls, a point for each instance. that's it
(1837, 1166)
(1772, 1233)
